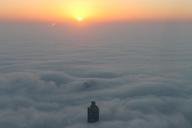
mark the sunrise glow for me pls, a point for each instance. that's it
(80, 18)
(78, 10)
(95, 10)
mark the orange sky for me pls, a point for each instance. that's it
(95, 10)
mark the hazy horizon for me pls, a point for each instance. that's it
(95, 10)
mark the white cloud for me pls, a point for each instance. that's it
(54, 99)
(137, 79)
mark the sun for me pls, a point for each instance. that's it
(79, 18)
(79, 10)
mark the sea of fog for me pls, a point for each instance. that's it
(139, 74)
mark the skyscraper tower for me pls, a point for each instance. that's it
(93, 113)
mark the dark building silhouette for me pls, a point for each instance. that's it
(93, 113)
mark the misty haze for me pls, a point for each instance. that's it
(140, 75)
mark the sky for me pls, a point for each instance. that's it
(95, 10)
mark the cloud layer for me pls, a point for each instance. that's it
(139, 79)
(54, 99)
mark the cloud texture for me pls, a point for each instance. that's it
(138, 81)
(54, 99)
